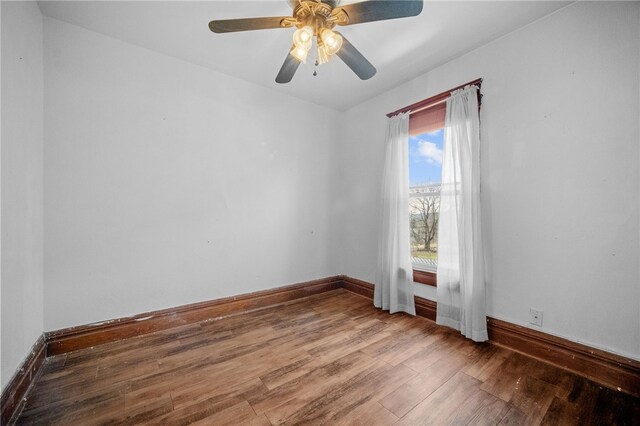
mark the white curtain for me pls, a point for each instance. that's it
(461, 286)
(394, 275)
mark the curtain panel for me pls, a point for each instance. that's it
(394, 275)
(461, 285)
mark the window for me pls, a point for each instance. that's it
(425, 171)
(426, 136)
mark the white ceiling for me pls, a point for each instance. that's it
(400, 49)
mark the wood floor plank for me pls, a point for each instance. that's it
(340, 401)
(513, 417)
(291, 371)
(488, 363)
(480, 406)
(142, 412)
(367, 414)
(444, 405)
(410, 394)
(533, 397)
(490, 413)
(504, 382)
(330, 358)
(283, 401)
(261, 420)
(439, 345)
(396, 349)
(79, 409)
(322, 352)
(229, 411)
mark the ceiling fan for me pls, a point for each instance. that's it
(317, 18)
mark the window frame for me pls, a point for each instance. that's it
(423, 276)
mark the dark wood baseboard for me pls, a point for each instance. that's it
(355, 285)
(17, 387)
(75, 338)
(611, 370)
(603, 367)
(425, 277)
(424, 307)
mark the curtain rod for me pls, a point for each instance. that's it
(434, 100)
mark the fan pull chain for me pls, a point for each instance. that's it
(315, 67)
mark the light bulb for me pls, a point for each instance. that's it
(300, 53)
(302, 37)
(307, 33)
(331, 40)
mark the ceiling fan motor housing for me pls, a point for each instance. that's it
(315, 14)
(332, 3)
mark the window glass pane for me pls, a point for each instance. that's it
(425, 171)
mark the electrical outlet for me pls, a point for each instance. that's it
(535, 317)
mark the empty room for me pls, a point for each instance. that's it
(280, 212)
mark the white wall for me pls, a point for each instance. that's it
(167, 183)
(21, 189)
(560, 170)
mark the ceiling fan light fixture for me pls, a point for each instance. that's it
(303, 37)
(300, 53)
(317, 18)
(331, 40)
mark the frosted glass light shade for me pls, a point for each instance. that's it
(300, 53)
(331, 40)
(323, 56)
(303, 37)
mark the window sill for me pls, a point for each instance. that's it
(424, 277)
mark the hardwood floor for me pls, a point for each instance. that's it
(326, 359)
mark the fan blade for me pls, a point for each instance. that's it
(355, 60)
(378, 10)
(288, 69)
(246, 24)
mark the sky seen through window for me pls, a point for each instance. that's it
(425, 158)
